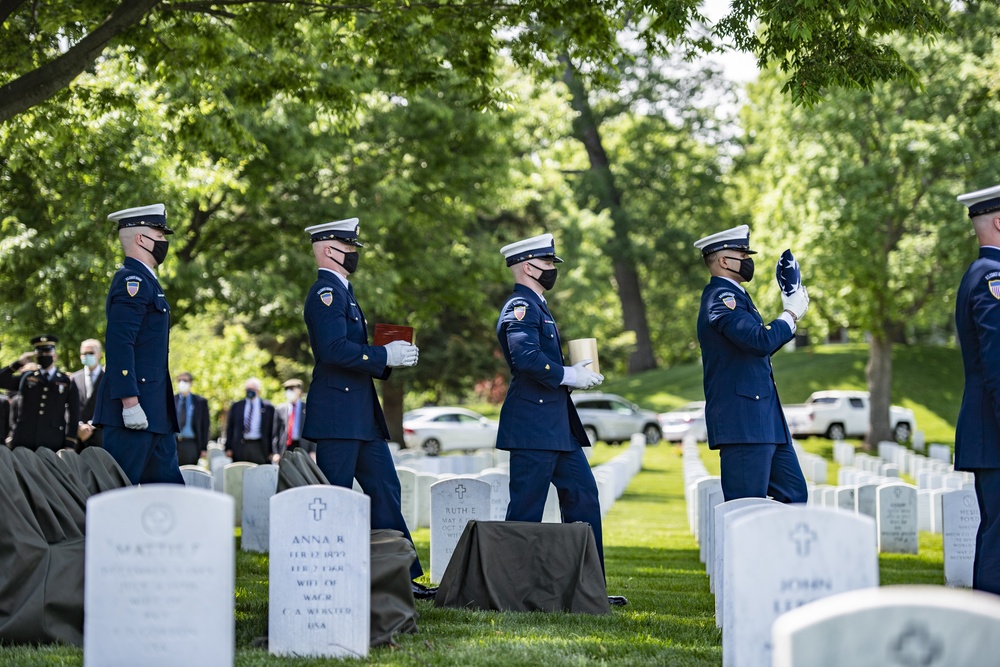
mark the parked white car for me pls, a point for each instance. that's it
(613, 419)
(686, 420)
(843, 414)
(440, 429)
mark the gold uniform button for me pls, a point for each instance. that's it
(124, 372)
(364, 357)
(757, 398)
(541, 400)
(347, 388)
(546, 367)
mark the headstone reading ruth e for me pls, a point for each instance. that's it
(158, 589)
(319, 572)
(454, 503)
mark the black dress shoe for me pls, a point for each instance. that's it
(617, 600)
(421, 592)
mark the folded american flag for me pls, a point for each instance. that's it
(787, 272)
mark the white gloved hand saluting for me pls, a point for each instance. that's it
(400, 353)
(578, 377)
(796, 303)
(135, 418)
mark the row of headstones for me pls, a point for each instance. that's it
(909, 462)
(455, 464)
(160, 570)
(806, 553)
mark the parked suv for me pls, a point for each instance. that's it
(613, 419)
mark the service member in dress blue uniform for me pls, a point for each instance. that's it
(135, 402)
(977, 435)
(539, 424)
(345, 418)
(47, 397)
(742, 411)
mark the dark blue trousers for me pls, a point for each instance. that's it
(531, 471)
(986, 570)
(146, 458)
(370, 462)
(759, 471)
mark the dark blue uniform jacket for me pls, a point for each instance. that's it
(741, 401)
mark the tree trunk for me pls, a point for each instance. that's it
(879, 374)
(392, 405)
(586, 130)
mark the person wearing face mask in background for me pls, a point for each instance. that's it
(288, 421)
(193, 420)
(49, 403)
(250, 426)
(539, 424)
(345, 418)
(135, 405)
(88, 380)
(742, 411)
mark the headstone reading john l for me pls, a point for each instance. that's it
(259, 484)
(319, 573)
(159, 577)
(454, 503)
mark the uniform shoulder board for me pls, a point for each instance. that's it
(993, 283)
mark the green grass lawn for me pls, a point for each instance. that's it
(650, 558)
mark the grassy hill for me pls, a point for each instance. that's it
(928, 380)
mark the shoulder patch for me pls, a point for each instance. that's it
(132, 285)
(326, 295)
(994, 284)
(518, 307)
(728, 299)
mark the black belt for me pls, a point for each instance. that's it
(253, 439)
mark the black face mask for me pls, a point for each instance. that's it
(159, 251)
(251, 394)
(746, 268)
(45, 360)
(350, 262)
(548, 278)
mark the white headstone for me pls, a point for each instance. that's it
(706, 487)
(845, 498)
(424, 482)
(725, 514)
(319, 572)
(552, 512)
(454, 503)
(936, 513)
(923, 509)
(896, 514)
(232, 485)
(408, 496)
(810, 554)
(940, 453)
(700, 495)
(960, 524)
(196, 477)
(217, 463)
(160, 569)
(715, 498)
(499, 493)
(864, 498)
(259, 484)
(926, 626)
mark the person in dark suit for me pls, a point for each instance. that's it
(192, 420)
(250, 427)
(135, 401)
(88, 380)
(977, 433)
(50, 405)
(345, 418)
(742, 411)
(289, 418)
(539, 424)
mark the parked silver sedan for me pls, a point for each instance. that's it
(440, 429)
(613, 419)
(686, 420)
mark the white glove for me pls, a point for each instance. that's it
(400, 353)
(135, 418)
(583, 378)
(797, 303)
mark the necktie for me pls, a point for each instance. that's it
(350, 289)
(182, 412)
(291, 424)
(248, 418)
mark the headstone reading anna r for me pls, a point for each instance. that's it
(319, 572)
(454, 503)
(960, 524)
(896, 514)
(898, 626)
(802, 554)
(158, 589)
(259, 484)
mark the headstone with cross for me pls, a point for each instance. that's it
(896, 514)
(454, 502)
(319, 572)
(499, 493)
(904, 626)
(159, 573)
(776, 560)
